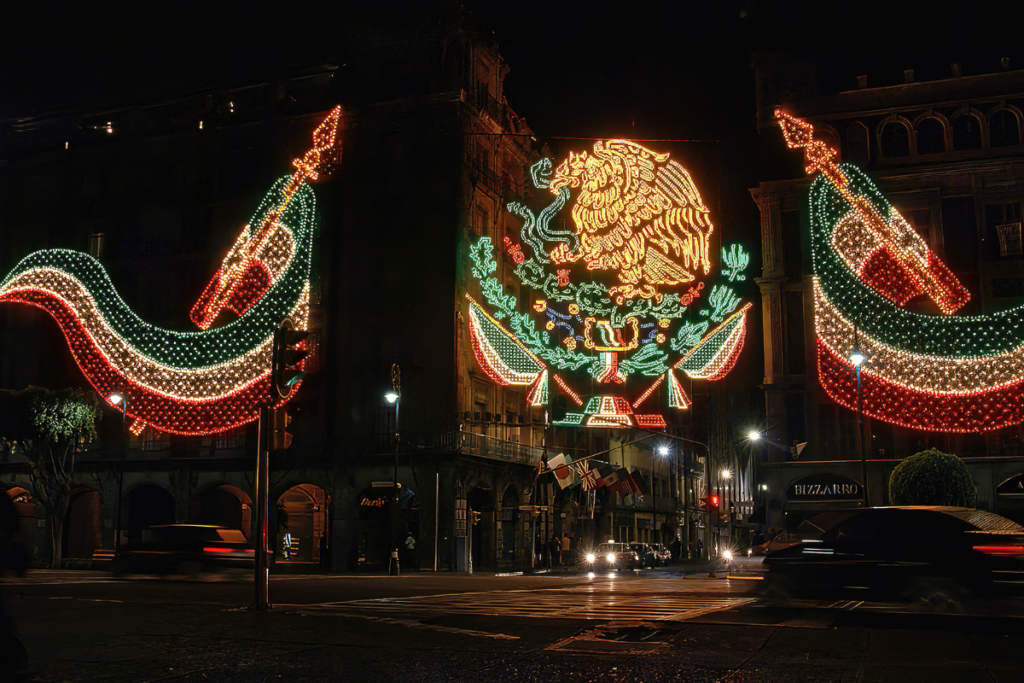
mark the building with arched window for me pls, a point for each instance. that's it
(947, 153)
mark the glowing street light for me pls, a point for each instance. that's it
(754, 436)
(117, 399)
(857, 358)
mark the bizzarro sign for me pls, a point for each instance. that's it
(821, 488)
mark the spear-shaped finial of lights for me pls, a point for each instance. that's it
(906, 246)
(252, 241)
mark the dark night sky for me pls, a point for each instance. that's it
(644, 69)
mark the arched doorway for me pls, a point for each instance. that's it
(481, 502)
(302, 524)
(507, 532)
(25, 506)
(146, 505)
(83, 526)
(227, 506)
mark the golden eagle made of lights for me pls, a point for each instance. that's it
(636, 212)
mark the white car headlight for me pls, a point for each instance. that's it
(727, 554)
(611, 557)
(591, 557)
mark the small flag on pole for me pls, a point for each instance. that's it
(564, 474)
(637, 483)
(592, 480)
(625, 481)
(611, 480)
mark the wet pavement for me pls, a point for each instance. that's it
(92, 628)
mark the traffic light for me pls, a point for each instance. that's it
(712, 503)
(288, 357)
(280, 439)
(474, 517)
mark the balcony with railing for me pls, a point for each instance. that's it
(483, 446)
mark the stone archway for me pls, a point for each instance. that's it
(25, 506)
(83, 524)
(228, 506)
(481, 509)
(145, 506)
(302, 524)
(508, 542)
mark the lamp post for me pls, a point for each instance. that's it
(664, 452)
(726, 474)
(764, 489)
(116, 399)
(754, 436)
(857, 358)
(394, 397)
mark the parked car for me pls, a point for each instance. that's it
(662, 555)
(908, 552)
(185, 549)
(645, 551)
(613, 556)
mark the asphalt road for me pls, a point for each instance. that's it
(83, 626)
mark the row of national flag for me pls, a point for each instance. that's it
(581, 473)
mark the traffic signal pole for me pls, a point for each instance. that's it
(286, 372)
(263, 508)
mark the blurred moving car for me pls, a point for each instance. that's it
(185, 549)
(662, 555)
(612, 556)
(762, 549)
(906, 552)
(645, 552)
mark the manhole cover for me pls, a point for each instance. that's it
(619, 638)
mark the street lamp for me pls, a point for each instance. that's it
(857, 358)
(764, 488)
(664, 452)
(754, 436)
(116, 399)
(394, 397)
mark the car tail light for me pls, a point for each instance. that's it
(218, 550)
(250, 550)
(1000, 550)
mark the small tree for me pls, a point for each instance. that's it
(932, 477)
(47, 427)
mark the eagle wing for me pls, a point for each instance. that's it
(630, 196)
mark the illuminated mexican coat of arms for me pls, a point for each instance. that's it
(621, 294)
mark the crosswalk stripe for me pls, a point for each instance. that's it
(652, 600)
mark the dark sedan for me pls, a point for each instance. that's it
(908, 552)
(185, 549)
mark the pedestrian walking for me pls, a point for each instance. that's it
(410, 550)
(700, 549)
(538, 551)
(566, 549)
(554, 551)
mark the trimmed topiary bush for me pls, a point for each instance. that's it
(932, 478)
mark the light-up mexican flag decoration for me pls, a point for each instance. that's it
(620, 299)
(935, 372)
(191, 382)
